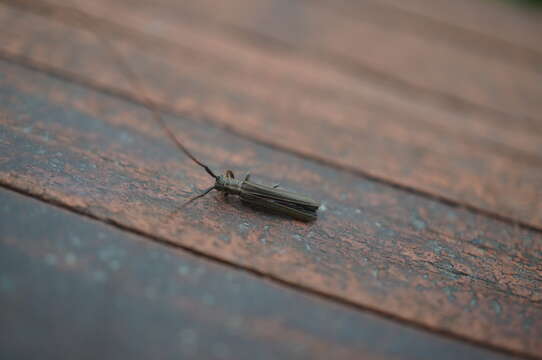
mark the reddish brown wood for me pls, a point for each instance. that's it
(70, 287)
(432, 20)
(366, 46)
(507, 21)
(505, 31)
(441, 267)
(304, 106)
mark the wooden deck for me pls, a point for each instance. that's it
(417, 124)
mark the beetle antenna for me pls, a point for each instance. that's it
(150, 104)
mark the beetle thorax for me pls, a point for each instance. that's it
(228, 185)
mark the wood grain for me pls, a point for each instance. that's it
(506, 21)
(441, 267)
(71, 287)
(293, 102)
(434, 20)
(367, 44)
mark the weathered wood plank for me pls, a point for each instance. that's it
(369, 47)
(413, 17)
(414, 258)
(498, 29)
(498, 19)
(295, 103)
(71, 287)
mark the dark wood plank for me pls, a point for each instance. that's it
(295, 103)
(75, 288)
(414, 258)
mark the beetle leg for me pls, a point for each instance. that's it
(205, 192)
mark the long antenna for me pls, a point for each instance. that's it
(151, 106)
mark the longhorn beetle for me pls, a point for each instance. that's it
(271, 198)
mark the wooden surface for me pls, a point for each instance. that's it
(453, 149)
(424, 149)
(168, 304)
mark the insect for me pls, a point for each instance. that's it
(267, 197)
